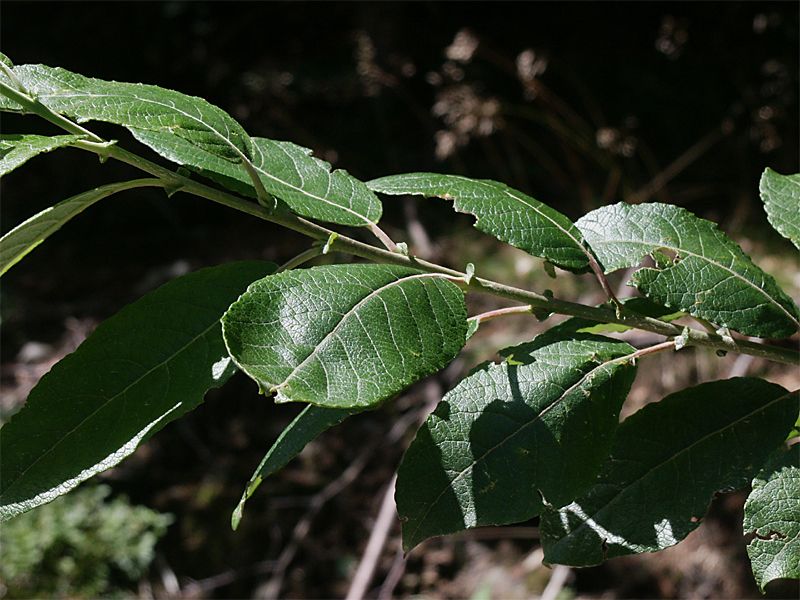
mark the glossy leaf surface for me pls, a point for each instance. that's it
(21, 240)
(511, 436)
(501, 211)
(345, 336)
(306, 426)
(772, 513)
(710, 276)
(147, 365)
(667, 461)
(17, 149)
(781, 196)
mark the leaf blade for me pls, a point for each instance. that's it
(310, 423)
(712, 278)
(772, 513)
(25, 237)
(501, 211)
(781, 197)
(375, 330)
(150, 363)
(664, 467)
(16, 150)
(509, 436)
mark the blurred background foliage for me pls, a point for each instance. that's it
(578, 104)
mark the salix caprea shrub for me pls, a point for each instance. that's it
(535, 434)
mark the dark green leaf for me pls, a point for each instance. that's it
(509, 438)
(501, 211)
(345, 336)
(306, 426)
(781, 196)
(17, 149)
(147, 365)
(18, 242)
(667, 461)
(710, 276)
(772, 513)
(191, 132)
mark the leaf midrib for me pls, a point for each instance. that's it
(301, 190)
(545, 410)
(353, 310)
(674, 457)
(107, 402)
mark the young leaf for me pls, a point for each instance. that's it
(710, 277)
(147, 365)
(781, 196)
(666, 462)
(501, 211)
(17, 149)
(345, 336)
(306, 426)
(18, 242)
(511, 437)
(772, 513)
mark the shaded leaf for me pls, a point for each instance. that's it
(667, 461)
(17, 149)
(772, 513)
(710, 276)
(781, 196)
(147, 365)
(21, 240)
(501, 211)
(510, 437)
(312, 421)
(345, 336)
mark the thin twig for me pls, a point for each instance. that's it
(502, 312)
(557, 580)
(303, 257)
(383, 237)
(673, 169)
(387, 517)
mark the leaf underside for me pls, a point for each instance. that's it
(17, 149)
(345, 336)
(25, 237)
(501, 211)
(149, 364)
(772, 513)
(781, 196)
(306, 426)
(194, 133)
(667, 461)
(710, 276)
(510, 437)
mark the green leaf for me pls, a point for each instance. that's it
(345, 336)
(781, 196)
(312, 421)
(501, 211)
(667, 460)
(772, 513)
(511, 437)
(18, 242)
(191, 132)
(199, 134)
(147, 365)
(710, 276)
(16, 149)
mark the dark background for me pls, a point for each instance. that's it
(682, 103)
